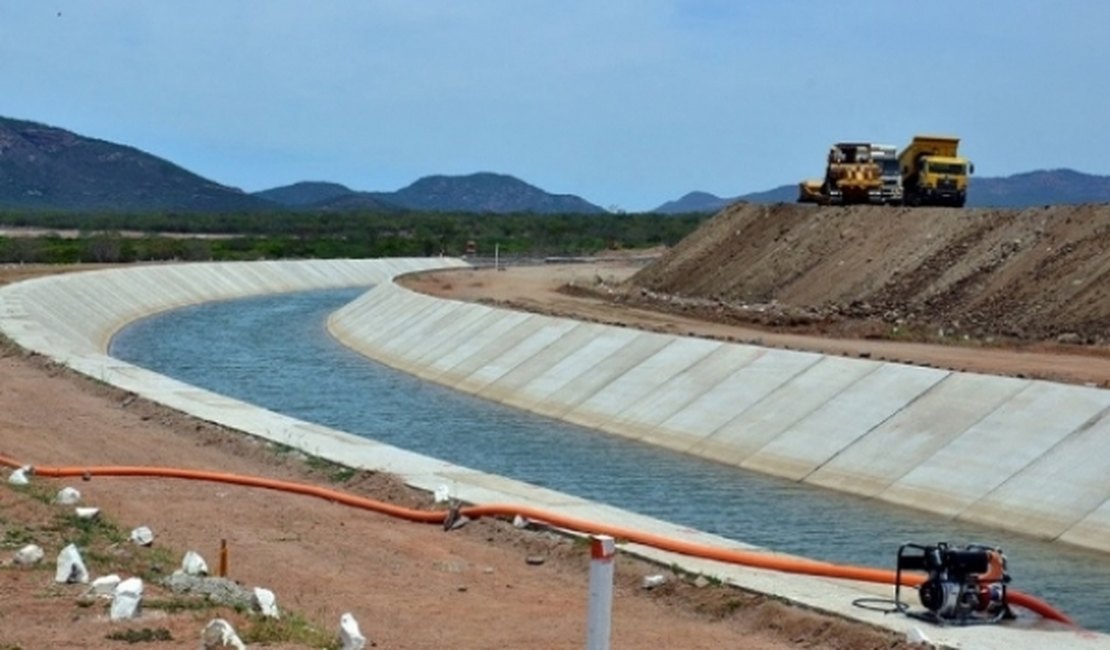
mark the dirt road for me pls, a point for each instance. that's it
(409, 585)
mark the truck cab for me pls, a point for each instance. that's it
(886, 157)
(933, 173)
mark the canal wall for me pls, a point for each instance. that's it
(1018, 454)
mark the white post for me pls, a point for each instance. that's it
(497, 257)
(602, 551)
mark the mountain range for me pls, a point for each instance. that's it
(48, 168)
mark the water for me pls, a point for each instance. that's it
(275, 352)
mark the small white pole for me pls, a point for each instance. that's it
(497, 257)
(602, 551)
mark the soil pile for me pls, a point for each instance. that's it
(1034, 274)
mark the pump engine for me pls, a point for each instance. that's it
(965, 585)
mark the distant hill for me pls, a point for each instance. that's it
(1041, 187)
(305, 193)
(357, 201)
(481, 192)
(47, 168)
(706, 202)
(485, 192)
(694, 202)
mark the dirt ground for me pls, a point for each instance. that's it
(408, 585)
(1029, 275)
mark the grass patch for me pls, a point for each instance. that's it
(281, 449)
(37, 491)
(18, 537)
(156, 564)
(145, 635)
(291, 629)
(87, 532)
(334, 472)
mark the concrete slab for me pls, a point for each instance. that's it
(489, 337)
(999, 446)
(911, 436)
(643, 418)
(639, 382)
(517, 346)
(1092, 531)
(1058, 489)
(531, 384)
(844, 419)
(787, 404)
(711, 411)
(639, 348)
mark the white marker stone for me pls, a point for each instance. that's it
(350, 637)
(71, 568)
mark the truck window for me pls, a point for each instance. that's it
(954, 169)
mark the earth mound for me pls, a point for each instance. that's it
(883, 272)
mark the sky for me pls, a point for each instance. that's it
(626, 103)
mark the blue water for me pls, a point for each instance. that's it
(275, 352)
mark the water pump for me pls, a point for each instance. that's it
(965, 585)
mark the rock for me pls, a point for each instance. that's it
(442, 494)
(104, 586)
(19, 476)
(28, 555)
(653, 581)
(1069, 338)
(193, 564)
(350, 637)
(86, 513)
(126, 600)
(142, 536)
(520, 522)
(217, 590)
(701, 582)
(265, 602)
(535, 560)
(219, 634)
(67, 496)
(71, 568)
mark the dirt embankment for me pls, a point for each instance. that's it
(1041, 274)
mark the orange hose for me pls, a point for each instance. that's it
(755, 559)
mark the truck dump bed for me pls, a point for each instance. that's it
(933, 145)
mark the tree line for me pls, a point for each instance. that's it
(113, 238)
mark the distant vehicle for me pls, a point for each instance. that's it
(933, 173)
(886, 157)
(852, 176)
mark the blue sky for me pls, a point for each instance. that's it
(627, 103)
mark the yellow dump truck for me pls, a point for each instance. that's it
(852, 175)
(933, 173)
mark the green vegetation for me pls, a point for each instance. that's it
(254, 236)
(334, 472)
(290, 629)
(145, 635)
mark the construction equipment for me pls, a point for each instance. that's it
(886, 157)
(851, 176)
(964, 585)
(933, 173)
